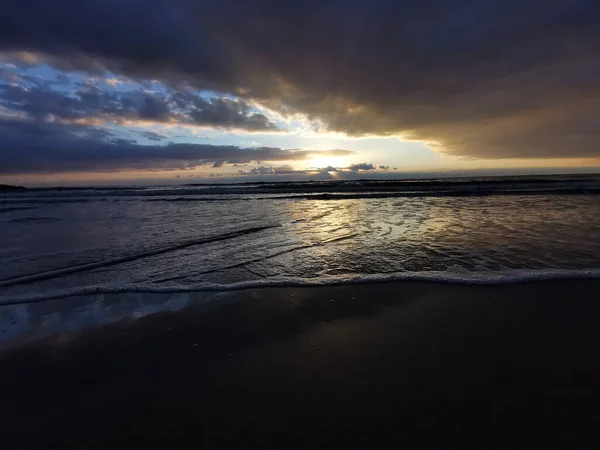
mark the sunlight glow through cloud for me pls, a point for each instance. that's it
(426, 101)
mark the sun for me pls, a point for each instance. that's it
(327, 161)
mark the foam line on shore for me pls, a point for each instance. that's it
(478, 278)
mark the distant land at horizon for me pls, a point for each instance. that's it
(9, 187)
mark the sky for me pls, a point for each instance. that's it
(180, 91)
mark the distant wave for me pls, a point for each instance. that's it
(348, 195)
(192, 199)
(473, 278)
(16, 208)
(447, 193)
(317, 190)
(345, 195)
(35, 220)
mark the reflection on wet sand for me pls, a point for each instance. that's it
(63, 318)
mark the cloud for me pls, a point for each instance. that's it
(361, 166)
(41, 101)
(250, 143)
(478, 78)
(284, 170)
(47, 147)
(329, 169)
(318, 173)
(133, 37)
(287, 172)
(153, 136)
(261, 170)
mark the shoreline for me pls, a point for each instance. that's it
(32, 320)
(506, 277)
(408, 363)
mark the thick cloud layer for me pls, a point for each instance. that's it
(482, 78)
(41, 147)
(150, 39)
(42, 102)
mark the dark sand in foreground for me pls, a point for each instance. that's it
(406, 365)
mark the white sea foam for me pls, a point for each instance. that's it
(473, 278)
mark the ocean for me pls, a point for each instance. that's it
(302, 315)
(57, 243)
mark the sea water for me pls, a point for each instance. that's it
(58, 242)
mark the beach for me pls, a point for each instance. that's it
(299, 225)
(417, 365)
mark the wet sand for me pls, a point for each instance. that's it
(411, 365)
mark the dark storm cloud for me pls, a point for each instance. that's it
(138, 37)
(41, 101)
(485, 78)
(42, 147)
